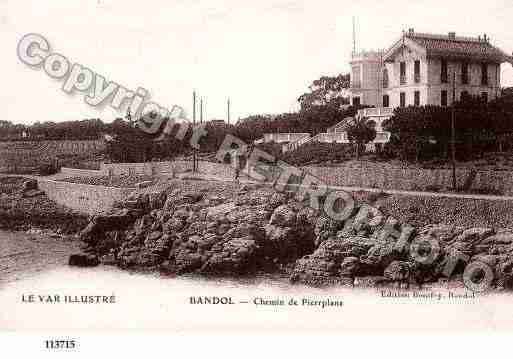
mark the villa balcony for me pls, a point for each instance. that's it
(376, 112)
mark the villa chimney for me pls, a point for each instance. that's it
(452, 35)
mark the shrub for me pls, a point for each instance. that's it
(47, 168)
(318, 152)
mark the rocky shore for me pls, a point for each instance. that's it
(244, 230)
(23, 208)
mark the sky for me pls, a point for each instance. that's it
(260, 54)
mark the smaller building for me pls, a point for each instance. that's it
(283, 137)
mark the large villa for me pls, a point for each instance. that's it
(418, 69)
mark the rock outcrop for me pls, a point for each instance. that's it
(255, 229)
(183, 231)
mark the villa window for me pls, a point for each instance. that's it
(484, 74)
(386, 101)
(416, 99)
(443, 72)
(443, 98)
(417, 71)
(385, 78)
(402, 68)
(356, 101)
(355, 78)
(402, 99)
(464, 73)
(464, 96)
(484, 96)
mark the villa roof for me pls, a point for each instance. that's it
(452, 46)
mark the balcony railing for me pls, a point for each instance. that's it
(376, 111)
(284, 137)
(333, 137)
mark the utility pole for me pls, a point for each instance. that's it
(201, 110)
(193, 127)
(129, 117)
(453, 132)
(354, 39)
(379, 100)
(228, 110)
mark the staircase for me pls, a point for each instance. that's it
(338, 134)
(334, 134)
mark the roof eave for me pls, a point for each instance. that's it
(388, 56)
(497, 58)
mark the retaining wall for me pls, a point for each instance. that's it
(411, 179)
(166, 168)
(75, 172)
(375, 176)
(83, 198)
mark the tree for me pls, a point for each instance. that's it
(359, 133)
(326, 91)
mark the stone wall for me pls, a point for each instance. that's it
(83, 198)
(343, 175)
(75, 172)
(411, 179)
(167, 168)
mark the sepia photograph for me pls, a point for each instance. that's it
(275, 165)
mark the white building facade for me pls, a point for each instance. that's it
(419, 69)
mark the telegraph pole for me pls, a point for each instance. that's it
(228, 110)
(129, 117)
(453, 132)
(354, 39)
(201, 110)
(193, 127)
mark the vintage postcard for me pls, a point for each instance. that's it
(276, 165)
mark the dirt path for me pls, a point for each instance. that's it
(22, 255)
